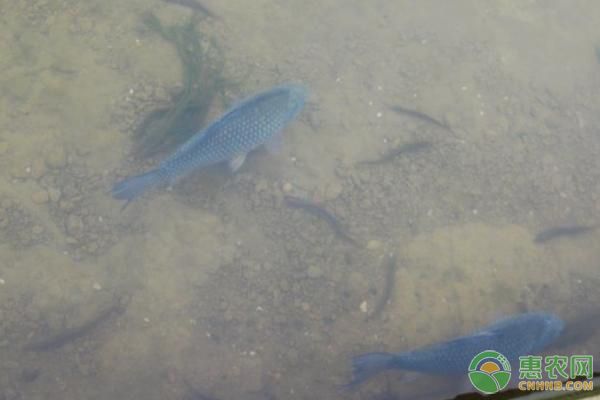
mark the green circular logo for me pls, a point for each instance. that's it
(489, 372)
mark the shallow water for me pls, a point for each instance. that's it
(224, 288)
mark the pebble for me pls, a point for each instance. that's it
(54, 194)
(357, 282)
(451, 119)
(262, 185)
(66, 205)
(284, 286)
(334, 189)
(287, 187)
(56, 158)
(38, 168)
(363, 306)
(40, 197)
(37, 230)
(96, 286)
(74, 225)
(314, 272)
(364, 175)
(223, 305)
(91, 247)
(20, 172)
(373, 244)
(172, 376)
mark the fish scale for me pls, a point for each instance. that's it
(246, 126)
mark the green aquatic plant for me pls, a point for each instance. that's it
(202, 65)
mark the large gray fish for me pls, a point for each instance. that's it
(515, 336)
(255, 121)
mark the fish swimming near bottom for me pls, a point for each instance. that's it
(390, 265)
(563, 231)
(402, 150)
(515, 336)
(315, 209)
(193, 5)
(255, 121)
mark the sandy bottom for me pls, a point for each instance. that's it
(220, 289)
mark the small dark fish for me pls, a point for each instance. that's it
(515, 336)
(194, 5)
(29, 375)
(559, 231)
(401, 150)
(419, 115)
(71, 334)
(390, 266)
(317, 210)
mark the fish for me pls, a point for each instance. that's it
(71, 334)
(390, 265)
(419, 115)
(194, 5)
(514, 336)
(317, 210)
(253, 122)
(401, 150)
(559, 231)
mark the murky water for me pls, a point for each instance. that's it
(217, 287)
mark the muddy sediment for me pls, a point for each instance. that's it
(229, 289)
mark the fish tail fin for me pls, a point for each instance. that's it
(130, 188)
(367, 365)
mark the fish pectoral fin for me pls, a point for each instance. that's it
(410, 376)
(274, 144)
(236, 162)
(484, 334)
